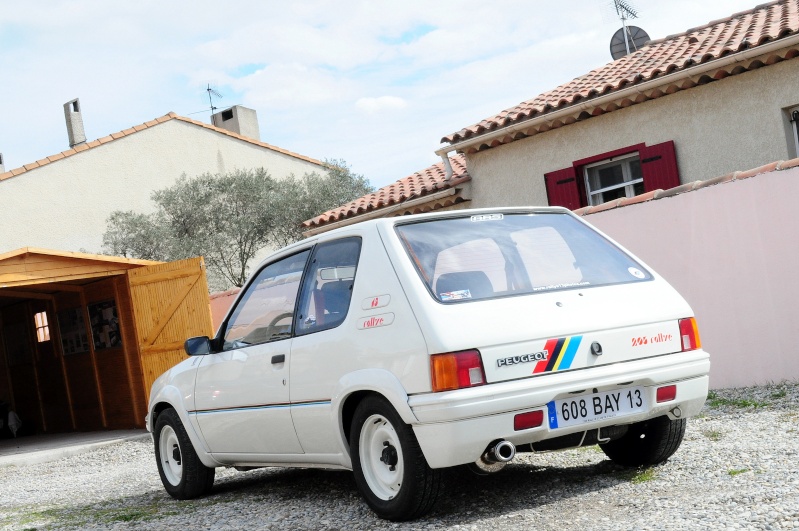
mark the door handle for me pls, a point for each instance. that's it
(278, 358)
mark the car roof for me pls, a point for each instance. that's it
(365, 226)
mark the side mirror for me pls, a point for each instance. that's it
(197, 346)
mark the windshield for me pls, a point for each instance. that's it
(493, 255)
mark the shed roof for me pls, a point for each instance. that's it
(141, 127)
(420, 184)
(29, 266)
(680, 61)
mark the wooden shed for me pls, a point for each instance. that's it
(83, 336)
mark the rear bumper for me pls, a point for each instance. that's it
(455, 427)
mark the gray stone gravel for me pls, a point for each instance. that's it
(738, 468)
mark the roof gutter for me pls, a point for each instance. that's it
(749, 53)
(379, 213)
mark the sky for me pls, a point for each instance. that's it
(375, 83)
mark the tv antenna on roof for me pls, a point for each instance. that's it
(626, 36)
(212, 92)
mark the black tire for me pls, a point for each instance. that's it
(183, 474)
(646, 443)
(390, 469)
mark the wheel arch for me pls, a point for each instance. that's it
(356, 386)
(169, 397)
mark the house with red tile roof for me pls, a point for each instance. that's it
(63, 201)
(688, 107)
(691, 106)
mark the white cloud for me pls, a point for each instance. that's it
(383, 103)
(304, 66)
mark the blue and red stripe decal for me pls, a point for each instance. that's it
(561, 354)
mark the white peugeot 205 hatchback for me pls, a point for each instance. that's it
(398, 347)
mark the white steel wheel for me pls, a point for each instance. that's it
(183, 474)
(170, 455)
(381, 457)
(389, 466)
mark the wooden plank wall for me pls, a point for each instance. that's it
(132, 354)
(115, 390)
(47, 355)
(80, 373)
(171, 304)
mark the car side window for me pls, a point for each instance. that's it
(327, 289)
(266, 310)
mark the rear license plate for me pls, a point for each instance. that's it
(598, 406)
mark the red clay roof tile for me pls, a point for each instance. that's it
(419, 184)
(703, 44)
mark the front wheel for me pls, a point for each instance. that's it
(183, 474)
(649, 442)
(390, 469)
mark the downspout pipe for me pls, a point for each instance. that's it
(447, 165)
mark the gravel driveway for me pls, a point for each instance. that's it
(737, 468)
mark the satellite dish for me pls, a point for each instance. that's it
(636, 38)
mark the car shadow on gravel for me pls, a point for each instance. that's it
(523, 486)
(319, 499)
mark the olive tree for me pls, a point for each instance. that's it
(228, 218)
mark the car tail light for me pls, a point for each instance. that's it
(456, 370)
(667, 393)
(689, 334)
(531, 419)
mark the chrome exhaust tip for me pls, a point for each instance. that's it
(501, 452)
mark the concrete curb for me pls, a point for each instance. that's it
(46, 456)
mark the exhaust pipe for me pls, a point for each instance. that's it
(501, 452)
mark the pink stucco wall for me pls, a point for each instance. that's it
(220, 304)
(732, 250)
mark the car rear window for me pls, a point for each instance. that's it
(494, 255)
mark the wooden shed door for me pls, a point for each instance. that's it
(170, 304)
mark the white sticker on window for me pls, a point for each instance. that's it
(637, 273)
(455, 295)
(487, 217)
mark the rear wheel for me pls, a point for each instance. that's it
(390, 469)
(646, 443)
(183, 474)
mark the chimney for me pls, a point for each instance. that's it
(2, 164)
(238, 119)
(74, 123)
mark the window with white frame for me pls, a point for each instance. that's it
(42, 327)
(612, 179)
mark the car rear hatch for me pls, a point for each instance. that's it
(536, 292)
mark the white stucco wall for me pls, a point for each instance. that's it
(64, 205)
(731, 251)
(736, 123)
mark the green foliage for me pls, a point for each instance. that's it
(737, 471)
(228, 218)
(635, 476)
(313, 193)
(643, 476)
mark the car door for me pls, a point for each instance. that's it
(324, 345)
(242, 392)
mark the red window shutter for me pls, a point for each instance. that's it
(659, 166)
(563, 189)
